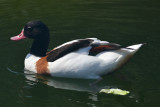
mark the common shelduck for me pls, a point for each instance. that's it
(87, 58)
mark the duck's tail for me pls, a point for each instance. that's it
(115, 59)
(134, 48)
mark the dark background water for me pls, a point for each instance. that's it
(121, 21)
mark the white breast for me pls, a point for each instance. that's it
(30, 62)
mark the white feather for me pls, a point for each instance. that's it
(30, 62)
(77, 65)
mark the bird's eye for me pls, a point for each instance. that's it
(29, 28)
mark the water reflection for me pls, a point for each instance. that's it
(63, 83)
(44, 89)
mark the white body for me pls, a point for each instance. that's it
(79, 64)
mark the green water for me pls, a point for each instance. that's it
(120, 21)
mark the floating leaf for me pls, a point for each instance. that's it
(114, 91)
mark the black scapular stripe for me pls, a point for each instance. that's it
(60, 52)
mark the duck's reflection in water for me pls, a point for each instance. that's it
(64, 83)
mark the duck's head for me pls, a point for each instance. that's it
(38, 31)
(33, 30)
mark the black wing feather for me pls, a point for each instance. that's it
(60, 52)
